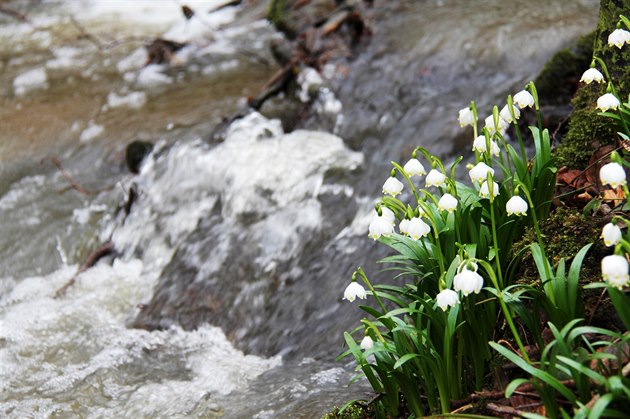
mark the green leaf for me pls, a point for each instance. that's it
(600, 405)
(511, 388)
(404, 359)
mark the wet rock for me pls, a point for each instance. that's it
(135, 154)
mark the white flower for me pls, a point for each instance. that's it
(468, 281)
(615, 270)
(618, 37)
(592, 75)
(484, 191)
(447, 203)
(479, 145)
(479, 173)
(607, 101)
(417, 228)
(435, 178)
(524, 99)
(516, 205)
(392, 186)
(387, 214)
(353, 291)
(505, 113)
(611, 233)
(414, 167)
(380, 226)
(612, 174)
(404, 226)
(446, 299)
(500, 127)
(367, 343)
(466, 117)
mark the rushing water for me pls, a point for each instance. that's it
(247, 244)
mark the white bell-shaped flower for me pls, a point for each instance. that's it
(354, 291)
(479, 145)
(516, 205)
(501, 125)
(466, 117)
(467, 282)
(446, 299)
(607, 101)
(484, 190)
(611, 233)
(404, 226)
(479, 173)
(592, 75)
(380, 226)
(505, 113)
(392, 186)
(618, 37)
(417, 228)
(387, 214)
(414, 167)
(524, 99)
(615, 270)
(447, 203)
(435, 178)
(367, 343)
(612, 174)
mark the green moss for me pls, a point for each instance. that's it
(278, 15)
(558, 79)
(353, 411)
(587, 130)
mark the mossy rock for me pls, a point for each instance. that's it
(587, 130)
(558, 80)
(353, 411)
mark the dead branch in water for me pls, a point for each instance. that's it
(73, 184)
(13, 13)
(95, 256)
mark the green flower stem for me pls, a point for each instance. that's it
(404, 174)
(521, 144)
(522, 187)
(394, 203)
(494, 230)
(429, 215)
(612, 87)
(474, 110)
(534, 92)
(369, 285)
(372, 326)
(505, 309)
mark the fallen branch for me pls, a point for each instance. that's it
(13, 13)
(95, 256)
(73, 184)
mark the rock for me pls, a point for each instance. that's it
(135, 154)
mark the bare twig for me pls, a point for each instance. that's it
(73, 184)
(13, 13)
(95, 256)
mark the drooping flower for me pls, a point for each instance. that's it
(380, 226)
(479, 173)
(479, 145)
(484, 190)
(404, 226)
(417, 228)
(618, 37)
(353, 291)
(524, 99)
(505, 113)
(468, 281)
(516, 205)
(447, 298)
(447, 203)
(612, 174)
(414, 167)
(607, 101)
(592, 75)
(392, 186)
(387, 214)
(615, 270)
(611, 233)
(435, 178)
(466, 117)
(500, 126)
(367, 343)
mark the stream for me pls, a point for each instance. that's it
(223, 296)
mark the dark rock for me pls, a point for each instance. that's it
(135, 154)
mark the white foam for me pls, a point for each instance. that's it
(92, 131)
(30, 81)
(133, 100)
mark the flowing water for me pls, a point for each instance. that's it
(223, 297)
